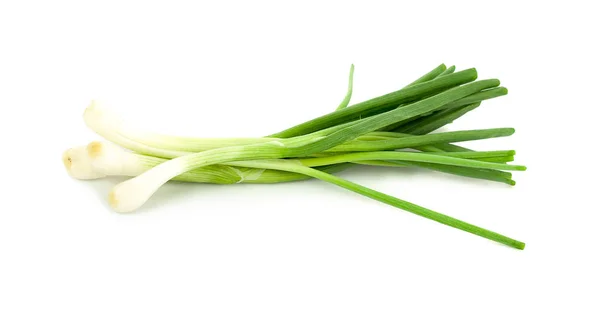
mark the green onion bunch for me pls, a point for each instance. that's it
(393, 130)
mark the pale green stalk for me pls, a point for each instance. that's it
(101, 159)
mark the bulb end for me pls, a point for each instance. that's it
(129, 196)
(100, 118)
(79, 165)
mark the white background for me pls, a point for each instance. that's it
(254, 68)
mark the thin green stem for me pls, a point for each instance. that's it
(448, 71)
(440, 147)
(408, 156)
(416, 141)
(437, 120)
(430, 75)
(471, 99)
(478, 97)
(477, 154)
(477, 173)
(498, 159)
(346, 99)
(448, 147)
(392, 201)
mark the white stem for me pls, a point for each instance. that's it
(131, 194)
(112, 160)
(108, 125)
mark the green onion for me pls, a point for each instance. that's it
(132, 193)
(375, 132)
